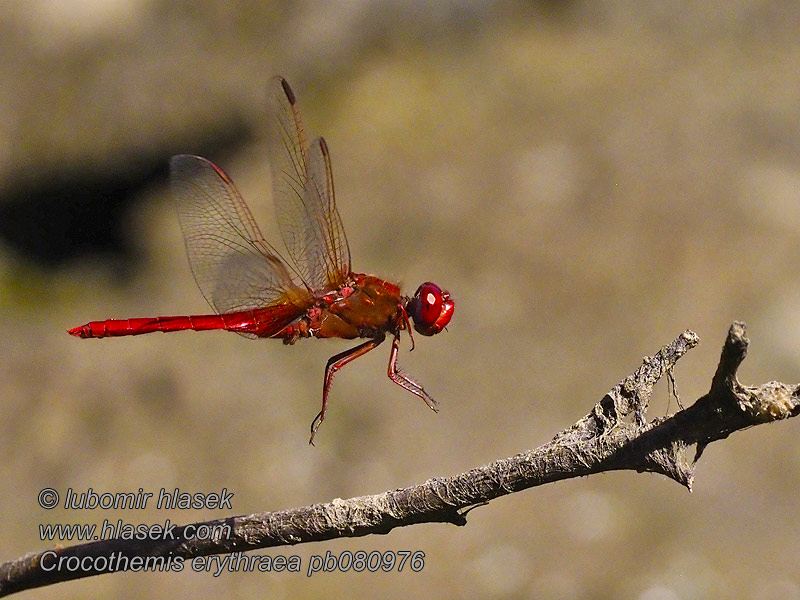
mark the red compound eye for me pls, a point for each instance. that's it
(431, 309)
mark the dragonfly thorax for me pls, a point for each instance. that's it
(365, 306)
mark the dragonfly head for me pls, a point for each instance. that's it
(431, 308)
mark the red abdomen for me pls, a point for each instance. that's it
(261, 322)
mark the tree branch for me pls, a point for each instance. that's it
(613, 436)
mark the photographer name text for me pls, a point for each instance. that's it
(164, 500)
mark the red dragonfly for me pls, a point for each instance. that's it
(257, 293)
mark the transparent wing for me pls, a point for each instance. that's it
(234, 266)
(302, 186)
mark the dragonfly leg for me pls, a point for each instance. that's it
(334, 364)
(407, 324)
(404, 381)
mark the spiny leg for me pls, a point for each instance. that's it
(404, 381)
(334, 364)
(407, 324)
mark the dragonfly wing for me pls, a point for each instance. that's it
(235, 267)
(330, 255)
(303, 193)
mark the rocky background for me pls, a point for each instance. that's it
(587, 179)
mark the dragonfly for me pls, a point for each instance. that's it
(313, 292)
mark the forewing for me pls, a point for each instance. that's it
(234, 266)
(303, 193)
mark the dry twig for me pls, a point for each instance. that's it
(613, 436)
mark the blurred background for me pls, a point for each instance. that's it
(587, 179)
